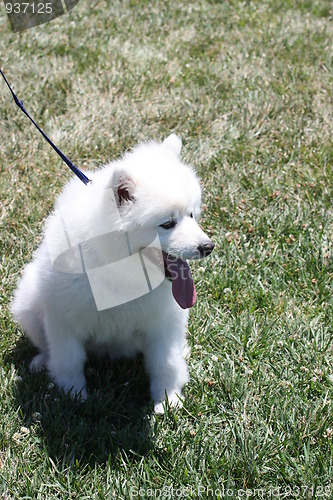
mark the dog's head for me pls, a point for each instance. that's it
(158, 198)
(154, 190)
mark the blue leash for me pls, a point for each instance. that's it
(68, 162)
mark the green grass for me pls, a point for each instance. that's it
(248, 86)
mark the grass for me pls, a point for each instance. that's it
(248, 86)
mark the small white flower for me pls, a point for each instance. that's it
(328, 433)
(24, 431)
(36, 417)
(17, 379)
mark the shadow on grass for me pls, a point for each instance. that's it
(116, 417)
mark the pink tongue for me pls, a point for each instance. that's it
(183, 288)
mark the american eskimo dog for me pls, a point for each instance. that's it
(111, 274)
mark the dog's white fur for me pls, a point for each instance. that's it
(56, 309)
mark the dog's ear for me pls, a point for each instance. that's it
(173, 143)
(124, 190)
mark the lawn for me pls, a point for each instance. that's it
(248, 86)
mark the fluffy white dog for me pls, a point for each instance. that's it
(111, 276)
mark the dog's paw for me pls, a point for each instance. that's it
(72, 386)
(81, 395)
(159, 408)
(76, 394)
(38, 363)
(174, 401)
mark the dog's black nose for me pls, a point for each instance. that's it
(206, 249)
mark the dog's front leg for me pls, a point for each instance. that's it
(166, 366)
(66, 359)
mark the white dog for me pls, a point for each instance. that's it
(111, 276)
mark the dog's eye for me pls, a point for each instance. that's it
(169, 225)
